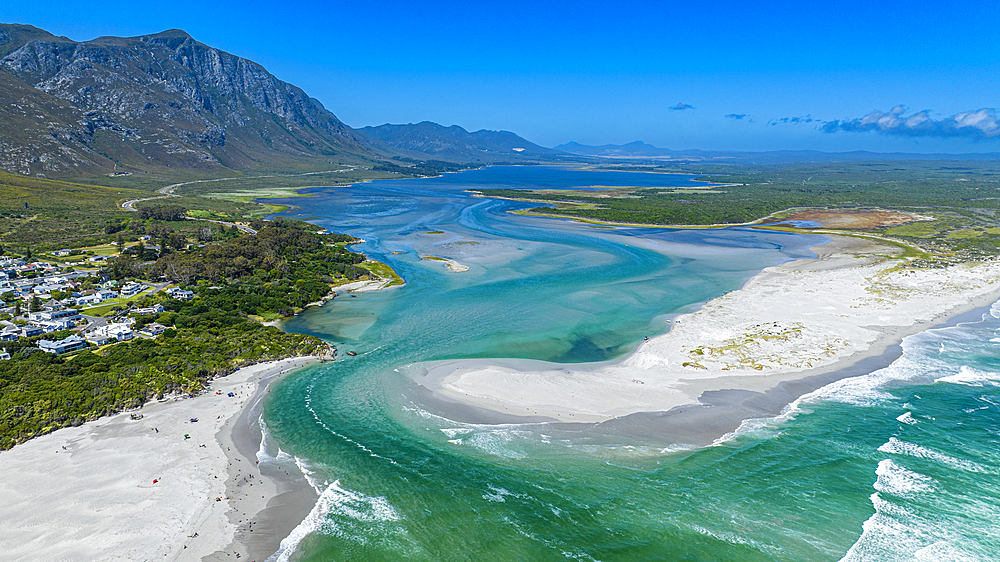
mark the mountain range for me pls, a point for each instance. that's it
(162, 100)
(168, 101)
(456, 144)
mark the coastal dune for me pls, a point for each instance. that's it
(793, 321)
(139, 489)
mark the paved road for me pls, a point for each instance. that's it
(168, 191)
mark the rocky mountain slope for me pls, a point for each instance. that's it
(456, 144)
(154, 101)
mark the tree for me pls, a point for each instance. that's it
(27, 254)
(36, 304)
(162, 212)
(121, 243)
(177, 241)
(120, 267)
(17, 309)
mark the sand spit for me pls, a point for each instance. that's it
(790, 322)
(124, 489)
(363, 286)
(451, 264)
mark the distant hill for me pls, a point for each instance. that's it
(456, 144)
(640, 150)
(162, 100)
(637, 148)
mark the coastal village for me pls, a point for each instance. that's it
(66, 308)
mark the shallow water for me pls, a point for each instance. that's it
(896, 465)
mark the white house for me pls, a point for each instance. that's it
(99, 338)
(131, 289)
(88, 300)
(59, 347)
(50, 326)
(180, 294)
(70, 314)
(153, 329)
(115, 332)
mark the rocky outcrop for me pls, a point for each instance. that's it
(156, 100)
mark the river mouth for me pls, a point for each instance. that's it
(402, 476)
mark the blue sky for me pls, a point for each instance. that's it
(802, 75)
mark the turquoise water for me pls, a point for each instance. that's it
(900, 464)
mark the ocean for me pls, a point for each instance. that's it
(897, 464)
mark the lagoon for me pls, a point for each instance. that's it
(397, 479)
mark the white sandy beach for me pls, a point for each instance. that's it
(792, 320)
(452, 265)
(88, 492)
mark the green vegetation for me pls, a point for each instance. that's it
(278, 271)
(963, 197)
(49, 214)
(383, 271)
(41, 392)
(271, 274)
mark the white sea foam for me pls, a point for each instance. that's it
(883, 537)
(453, 432)
(733, 538)
(972, 377)
(898, 447)
(866, 390)
(943, 550)
(334, 507)
(895, 534)
(995, 310)
(308, 401)
(907, 418)
(496, 494)
(262, 454)
(498, 442)
(310, 476)
(898, 481)
(764, 428)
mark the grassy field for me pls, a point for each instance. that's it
(50, 214)
(379, 269)
(962, 197)
(105, 308)
(45, 214)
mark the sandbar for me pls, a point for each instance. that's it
(790, 329)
